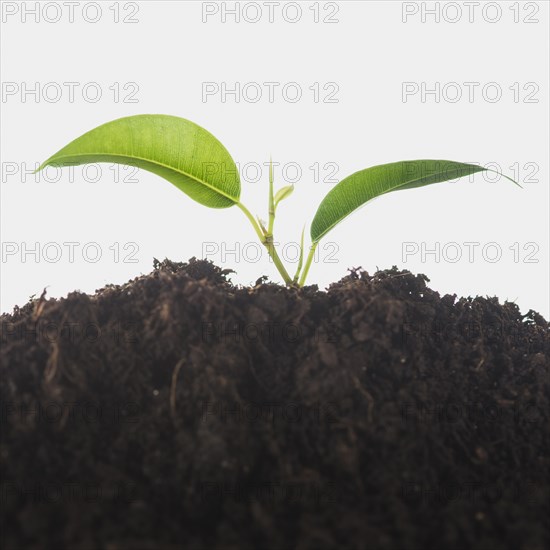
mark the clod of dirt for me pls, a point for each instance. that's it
(181, 411)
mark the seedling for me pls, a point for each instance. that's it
(194, 161)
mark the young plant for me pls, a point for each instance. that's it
(194, 161)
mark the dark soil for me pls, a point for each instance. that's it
(181, 412)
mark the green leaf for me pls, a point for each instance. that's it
(174, 148)
(359, 188)
(283, 194)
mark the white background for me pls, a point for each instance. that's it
(369, 52)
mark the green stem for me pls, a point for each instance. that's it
(301, 260)
(308, 263)
(277, 261)
(254, 223)
(271, 205)
(267, 241)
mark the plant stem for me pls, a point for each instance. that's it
(254, 223)
(271, 205)
(267, 241)
(277, 261)
(308, 263)
(301, 260)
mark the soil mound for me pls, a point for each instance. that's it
(180, 411)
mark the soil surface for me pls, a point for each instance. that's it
(179, 411)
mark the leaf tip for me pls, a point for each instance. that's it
(41, 167)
